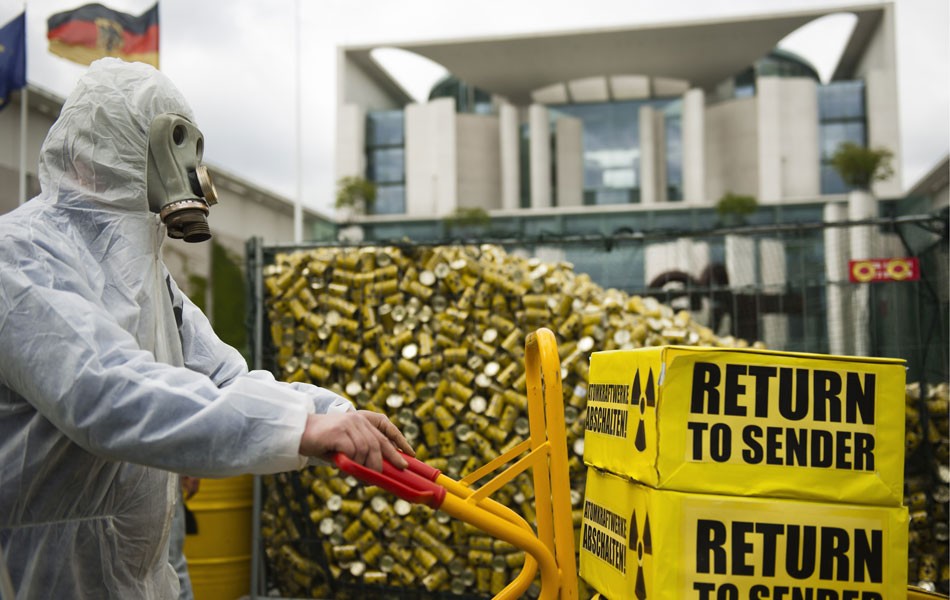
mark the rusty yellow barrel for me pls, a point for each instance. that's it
(219, 554)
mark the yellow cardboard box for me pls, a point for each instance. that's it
(641, 543)
(749, 422)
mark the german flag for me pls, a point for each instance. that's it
(94, 31)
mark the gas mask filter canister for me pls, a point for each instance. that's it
(179, 187)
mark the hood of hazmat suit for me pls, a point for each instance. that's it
(111, 380)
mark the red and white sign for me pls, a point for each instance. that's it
(883, 269)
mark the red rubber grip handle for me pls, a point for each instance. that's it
(420, 468)
(406, 484)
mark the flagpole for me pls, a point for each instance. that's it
(24, 99)
(298, 204)
(24, 114)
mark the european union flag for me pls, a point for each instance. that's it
(12, 57)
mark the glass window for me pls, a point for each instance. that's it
(745, 91)
(385, 128)
(841, 115)
(835, 134)
(674, 150)
(390, 200)
(831, 182)
(524, 157)
(606, 196)
(386, 160)
(468, 98)
(841, 100)
(483, 108)
(611, 142)
(386, 165)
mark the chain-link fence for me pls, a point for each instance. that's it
(790, 286)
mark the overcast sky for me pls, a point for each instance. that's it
(236, 62)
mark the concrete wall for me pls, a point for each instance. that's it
(694, 129)
(356, 87)
(883, 128)
(788, 139)
(244, 212)
(878, 68)
(350, 141)
(41, 115)
(570, 161)
(651, 155)
(741, 261)
(683, 254)
(801, 163)
(38, 123)
(837, 308)
(540, 148)
(941, 199)
(509, 156)
(10, 188)
(431, 158)
(731, 148)
(479, 168)
(773, 275)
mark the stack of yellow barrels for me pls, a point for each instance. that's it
(434, 338)
(746, 474)
(927, 493)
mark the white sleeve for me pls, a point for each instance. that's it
(68, 358)
(206, 353)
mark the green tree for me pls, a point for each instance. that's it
(229, 294)
(467, 217)
(735, 207)
(859, 167)
(356, 193)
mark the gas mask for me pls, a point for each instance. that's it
(179, 187)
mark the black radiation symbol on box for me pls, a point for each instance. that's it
(645, 396)
(643, 544)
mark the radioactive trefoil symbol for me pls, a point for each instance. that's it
(643, 544)
(646, 396)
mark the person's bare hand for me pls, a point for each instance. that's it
(364, 436)
(190, 486)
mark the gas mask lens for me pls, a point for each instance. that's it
(179, 187)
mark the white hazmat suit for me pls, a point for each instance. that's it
(110, 378)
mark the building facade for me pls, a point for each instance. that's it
(638, 117)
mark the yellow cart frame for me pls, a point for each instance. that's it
(552, 549)
(545, 453)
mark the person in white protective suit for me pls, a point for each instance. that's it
(111, 380)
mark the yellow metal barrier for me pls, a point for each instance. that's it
(545, 453)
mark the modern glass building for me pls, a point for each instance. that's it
(593, 134)
(611, 136)
(611, 147)
(597, 120)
